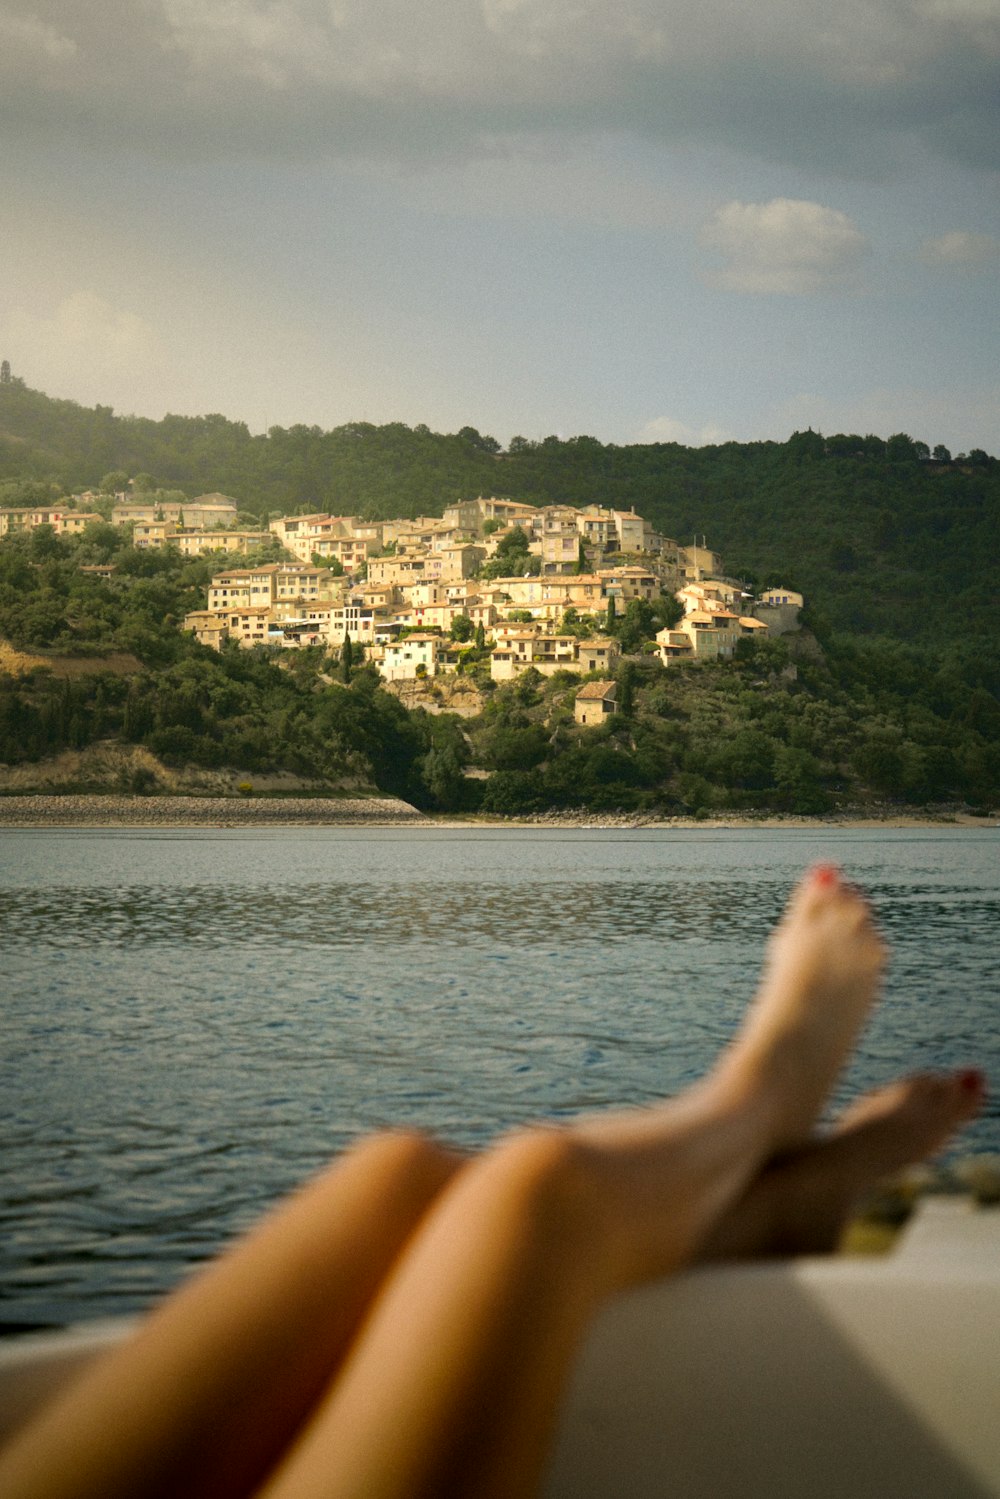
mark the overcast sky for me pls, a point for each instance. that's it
(638, 219)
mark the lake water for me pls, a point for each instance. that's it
(196, 1019)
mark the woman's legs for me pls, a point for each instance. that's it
(457, 1292)
(210, 1391)
(453, 1385)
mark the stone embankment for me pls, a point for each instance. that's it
(202, 811)
(577, 819)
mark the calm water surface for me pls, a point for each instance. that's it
(195, 1019)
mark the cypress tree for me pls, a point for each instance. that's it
(626, 690)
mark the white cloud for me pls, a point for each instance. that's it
(787, 247)
(114, 347)
(963, 249)
(666, 429)
(86, 323)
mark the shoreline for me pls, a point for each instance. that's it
(100, 811)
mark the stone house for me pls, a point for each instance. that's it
(772, 597)
(248, 626)
(207, 512)
(597, 655)
(153, 534)
(26, 520)
(243, 587)
(416, 655)
(75, 521)
(627, 583)
(454, 562)
(297, 532)
(697, 562)
(197, 543)
(594, 703)
(315, 584)
(710, 636)
(396, 572)
(520, 649)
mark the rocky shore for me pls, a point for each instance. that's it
(109, 810)
(202, 811)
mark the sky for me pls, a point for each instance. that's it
(637, 219)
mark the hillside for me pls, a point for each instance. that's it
(100, 668)
(881, 538)
(890, 696)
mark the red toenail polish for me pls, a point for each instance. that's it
(826, 874)
(972, 1080)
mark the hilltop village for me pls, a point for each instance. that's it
(528, 587)
(538, 587)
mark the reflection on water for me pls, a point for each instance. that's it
(195, 1020)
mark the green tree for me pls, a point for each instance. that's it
(637, 625)
(797, 775)
(625, 695)
(512, 748)
(346, 659)
(484, 443)
(900, 448)
(333, 565)
(442, 766)
(514, 542)
(44, 544)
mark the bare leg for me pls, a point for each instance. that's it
(211, 1390)
(453, 1385)
(801, 1204)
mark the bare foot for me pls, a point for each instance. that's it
(673, 1170)
(821, 976)
(801, 1204)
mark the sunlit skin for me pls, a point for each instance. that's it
(404, 1325)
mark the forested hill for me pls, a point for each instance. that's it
(880, 536)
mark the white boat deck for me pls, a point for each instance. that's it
(843, 1378)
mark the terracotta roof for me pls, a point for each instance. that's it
(595, 691)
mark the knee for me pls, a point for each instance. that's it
(407, 1156)
(554, 1183)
